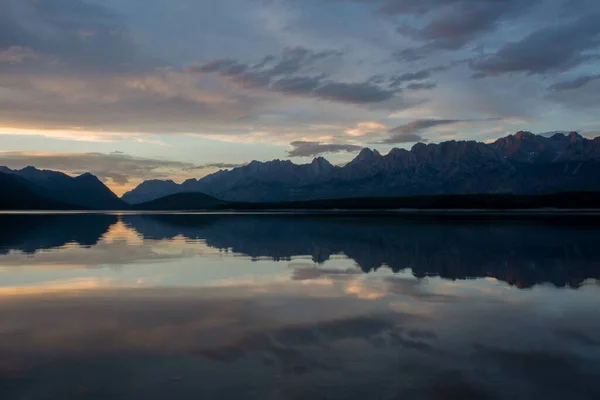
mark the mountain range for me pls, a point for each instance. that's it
(519, 164)
(523, 163)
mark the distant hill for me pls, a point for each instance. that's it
(16, 194)
(522, 163)
(566, 200)
(182, 201)
(85, 191)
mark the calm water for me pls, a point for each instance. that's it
(298, 307)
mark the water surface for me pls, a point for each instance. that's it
(294, 306)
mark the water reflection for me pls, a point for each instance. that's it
(29, 233)
(297, 306)
(521, 253)
(289, 342)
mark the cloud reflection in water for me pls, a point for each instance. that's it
(185, 311)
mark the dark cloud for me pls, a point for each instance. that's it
(291, 61)
(417, 7)
(399, 138)
(299, 85)
(218, 165)
(411, 76)
(281, 77)
(311, 149)
(76, 33)
(552, 49)
(421, 86)
(415, 79)
(573, 84)
(411, 132)
(447, 24)
(356, 93)
(295, 58)
(462, 22)
(411, 54)
(225, 67)
(577, 94)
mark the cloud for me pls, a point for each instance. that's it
(576, 95)
(82, 35)
(104, 71)
(218, 166)
(411, 132)
(447, 24)
(421, 86)
(364, 128)
(300, 85)
(411, 76)
(548, 50)
(291, 61)
(422, 7)
(400, 138)
(417, 78)
(357, 93)
(15, 54)
(225, 67)
(312, 149)
(282, 77)
(160, 101)
(573, 84)
(464, 22)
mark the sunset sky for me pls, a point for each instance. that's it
(140, 89)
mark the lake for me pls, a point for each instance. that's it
(299, 306)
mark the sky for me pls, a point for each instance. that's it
(154, 89)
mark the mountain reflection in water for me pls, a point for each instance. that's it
(521, 253)
(263, 306)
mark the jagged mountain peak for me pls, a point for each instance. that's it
(320, 160)
(86, 175)
(320, 165)
(418, 147)
(575, 136)
(366, 155)
(558, 136)
(521, 135)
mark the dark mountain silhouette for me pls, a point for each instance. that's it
(32, 232)
(564, 200)
(82, 191)
(151, 190)
(16, 194)
(521, 252)
(530, 148)
(523, 163)
(257, 180)
(182, 201)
